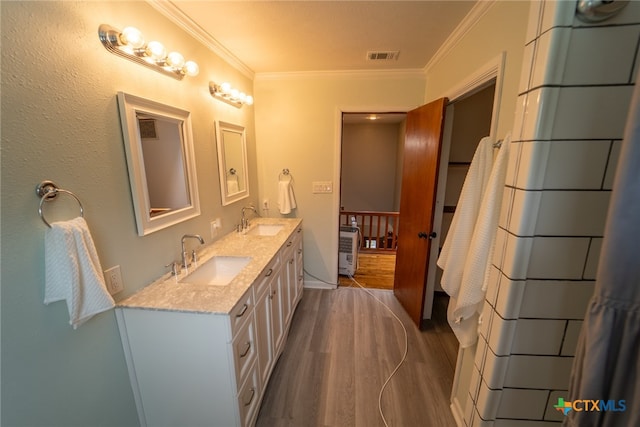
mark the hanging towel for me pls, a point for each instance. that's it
(606, 366)
(73, 272)
(456, 246)
(286, 198)
(232, 186)
(464, 309)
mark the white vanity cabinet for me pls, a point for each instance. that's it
(292, 260)
(268, 291)
(190, 367)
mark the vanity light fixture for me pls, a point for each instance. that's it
(129, 43)
(224, 92)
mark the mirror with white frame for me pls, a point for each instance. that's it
(160, 158)
(232, 162)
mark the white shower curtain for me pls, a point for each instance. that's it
(607, 362)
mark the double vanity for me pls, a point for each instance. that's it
(201, 345)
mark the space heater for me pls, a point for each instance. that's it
(348, 251)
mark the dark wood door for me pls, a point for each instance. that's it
(419, 182)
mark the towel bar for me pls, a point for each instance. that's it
(47, 191)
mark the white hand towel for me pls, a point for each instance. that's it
(464, 310)
(232, 186)
(73, 272)
(286, 198)
(456, 246)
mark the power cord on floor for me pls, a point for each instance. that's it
(404, 356)
(406, 338)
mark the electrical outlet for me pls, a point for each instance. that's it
(113, 280)
(216, 224)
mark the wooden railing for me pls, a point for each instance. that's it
(379, 229)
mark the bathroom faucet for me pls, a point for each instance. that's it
(245, 221)
(186, 264)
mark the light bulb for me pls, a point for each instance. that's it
(131, 36)
(242, 97)
(191, 68)
(249, 100)
(156, 51)
(175, 60)
(234, 93)
(225, 88)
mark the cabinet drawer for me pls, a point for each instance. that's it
(241, 312)
(249, 397)
(262, 283)
(245, 350)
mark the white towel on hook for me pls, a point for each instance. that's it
(73, 272)
(286, 198)
(456, 246)
(232, 186)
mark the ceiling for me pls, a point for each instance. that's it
(304, 36)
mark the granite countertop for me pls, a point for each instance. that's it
(167, 294)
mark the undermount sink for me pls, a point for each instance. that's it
(265, 229)
(218, 271)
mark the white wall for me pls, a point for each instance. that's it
(298, 122)
(60, 122)
(369, 166)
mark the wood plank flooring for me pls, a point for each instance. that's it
(374, 271)
(342, 347)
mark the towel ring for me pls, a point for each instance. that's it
(285, 172)
(47, 191)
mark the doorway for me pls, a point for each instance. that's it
(371, 170)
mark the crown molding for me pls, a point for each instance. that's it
(342, 74)
(480, 8)
(171, 11)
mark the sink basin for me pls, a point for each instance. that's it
(265, 229)
(218, 271)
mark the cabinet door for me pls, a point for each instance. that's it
(264, 337)
(277, 321)
(299, 267)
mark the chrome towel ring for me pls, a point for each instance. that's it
(48, 191)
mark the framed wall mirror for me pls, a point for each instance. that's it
(232, 162)
(158, 142)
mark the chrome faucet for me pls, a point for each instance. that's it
(185, 263)
(245, 221)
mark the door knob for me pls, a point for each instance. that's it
(433, 235)
(422, 235)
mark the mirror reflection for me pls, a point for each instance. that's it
(232, 162)
(164, 166)
(161, 163)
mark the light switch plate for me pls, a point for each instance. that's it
(323, 187)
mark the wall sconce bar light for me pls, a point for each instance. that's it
(225, 93)
(129, 43)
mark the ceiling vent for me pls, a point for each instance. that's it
(388, 55)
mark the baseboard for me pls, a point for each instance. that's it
(317, 284)
(456, 411)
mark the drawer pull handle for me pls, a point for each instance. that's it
(291, 261)
(246, 351)
(244, 309)
(269, 272)
(299, 230)
(299, 251)
(253, 393)
(289, 244)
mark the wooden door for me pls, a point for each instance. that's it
(419, 182)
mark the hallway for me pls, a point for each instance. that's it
(375, 271)
(342, 347)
